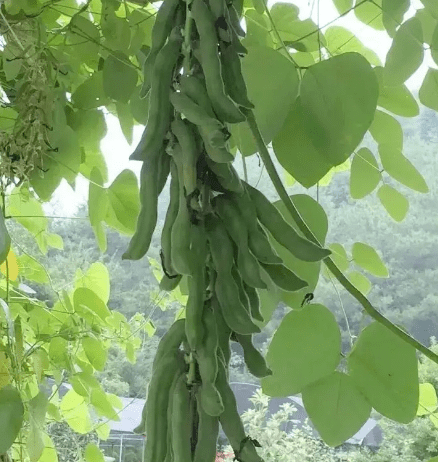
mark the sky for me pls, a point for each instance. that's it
(117, 151)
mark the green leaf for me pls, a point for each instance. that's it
(339, 256)
(401, 169)
(292, 30)
(98, 204)
(370, 13)
(124, 202)
(264, 64)
(336, 407)
(90, 94)
(84, 39)
(117, 33)
(259, 6)
(81, 120)
(431, 6)
(297, 154)
(339, 98)
(434, 45)
(427, 402)
(361, 282)
(12, 65)
(32, 269)
(63, 163)
(340, 40)
(103, 431)
(398, 99)
(83, 382)
(94, 158)
(385, 369)
(395, 203)
(117, 69)
(429, 90)
(305, 347)
(49, 452)
(365, 174)
(55, 241)
(93, 453)
(367, 258)
(126, 121)
(257, 29)
(8, 116)
(37, 417)
(87, 301)
(99, 399)
(96, 279)
(406, 53)
(343, 5)
(95, 352)
(385, 129)
(393, 14)
(58, 352)
(11, 416)
(75, 410)
(316, 219)
(428, 24)
(139, 106)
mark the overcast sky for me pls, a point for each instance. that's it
(116, 150)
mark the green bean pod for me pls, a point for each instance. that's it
(164, 22)
(246, 262)
(163, 171)
(157, 402)
(159, 102)
(243, 296)
(208, 434)
(171, 214)
(169, 454)
(260, 246)
(226, 175)
(147, 218)
(195, 330)
(181, 422)
(170, 342)
(254, 360)
(168, 284)
(194, 88)
(185, 134)
(284, 278)
(233, 17)
(181, 230)
(234, 82)
(226, 110)
(254, 302)
(224, 332)
(272, 219)
(231, 422)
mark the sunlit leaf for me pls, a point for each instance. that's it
(395, 203)
(11, 416)
(367, 258)
(95, 352)
(427, 400)
(365, 174)
(429, 90)
(385, 129)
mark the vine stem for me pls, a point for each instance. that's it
(331, 265)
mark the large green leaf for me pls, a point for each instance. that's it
(90, 94)
(343, 5)
(264, 64)
(429, 90)
(340, 40)
(428, 24)
(401, 169)
(427, 402)
(370, 13)
(361, 282)
(339, 256)
(257, 29)
(95, 352)
(96, 278)
(385, 369)
(87, 302)
(37, 417)
(395, 203)
(75, 410)
(119, 77)
(316, 219)
(365, 174)
(431, 6)
(295, 151)
(398, 99)
(385, 129)
(93, 453)
(11, 416)
(305, 347)
(367, 258)
(406, 53)
(81, 120)
(339, 98)
(393, 13)
(124, 202)
(336, 407)
(83, 38)
(100, 401)
(32, 269)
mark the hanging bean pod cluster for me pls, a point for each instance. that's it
(217, 231)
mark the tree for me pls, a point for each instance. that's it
(228, 253)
